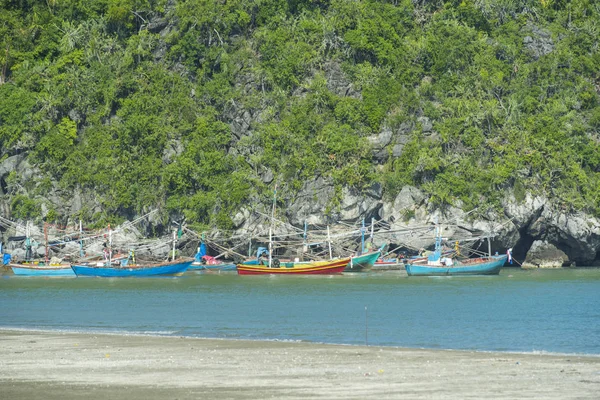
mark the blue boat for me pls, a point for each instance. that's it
(472, 266)
(41, 269)
(225, 266)
(440, 263)
(176, 267)
(204, 262)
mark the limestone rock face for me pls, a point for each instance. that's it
(539, 42)
(575, 234)
(357, 205)
(159, 250)
(11, 164)
(406, 216)
(338, 82)
(545, 255)
(524, 213)
(17, 255)
(311, 203)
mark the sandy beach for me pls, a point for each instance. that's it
(47, 365)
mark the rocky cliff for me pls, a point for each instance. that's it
(539, 234)
(481, 116)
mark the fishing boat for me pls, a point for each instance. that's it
(203, 261)
(388, 264)
(490, 265)
(292, 268)
(41, 269)
(126, 266)
(211, 265)
(363, 262)
(32, 267)
(360, 263)
(438, 265)
(176, 267)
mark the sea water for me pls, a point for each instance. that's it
(518, 311)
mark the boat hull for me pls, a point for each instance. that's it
(484, 266)
(212, 267)
(363, 262)
(316, 268)
(391, 265)
(42, 270)
(173, 268)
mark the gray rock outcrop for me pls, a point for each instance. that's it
(546, 255)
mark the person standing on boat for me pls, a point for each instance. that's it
(105, 251)
(131, 257)
(262, 254)
(28, 252)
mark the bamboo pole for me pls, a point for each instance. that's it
(174, 240)
(46, 241)
(329, 242)
(109, 246)
(80, 239)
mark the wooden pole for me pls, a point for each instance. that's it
(271, 227)
(80, 239)
(362, 237)
(270, 246)
(305, 237)
(372, 231)
(46, 241)
(109, 246)
(329, 242)
(366, 327)
(174, 240)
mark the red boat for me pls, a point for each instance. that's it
(312, 268)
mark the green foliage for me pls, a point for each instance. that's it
(191, 106)
(51, 215)
(57, 144)
(407, 215)
(22, 207)
(15, 110)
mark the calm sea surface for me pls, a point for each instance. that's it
(523, 311)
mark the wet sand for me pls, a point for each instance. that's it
(35, 365)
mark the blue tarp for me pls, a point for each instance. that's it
(262, 251)
(201, 252)
(6, 259)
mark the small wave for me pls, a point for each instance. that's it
(89, 331)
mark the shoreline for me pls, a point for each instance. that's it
(68, 365)
(172, 335)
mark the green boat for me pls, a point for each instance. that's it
(363, 263)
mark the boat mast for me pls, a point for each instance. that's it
(271, 227)
(109, 246)
(270, 246)
(329, 242)
(372, 231)
(437, 253)
(362, 237)
(46, 241)
(489, 246)
(80, 239)
(27, 243)
(305, 244)
(174, 240)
